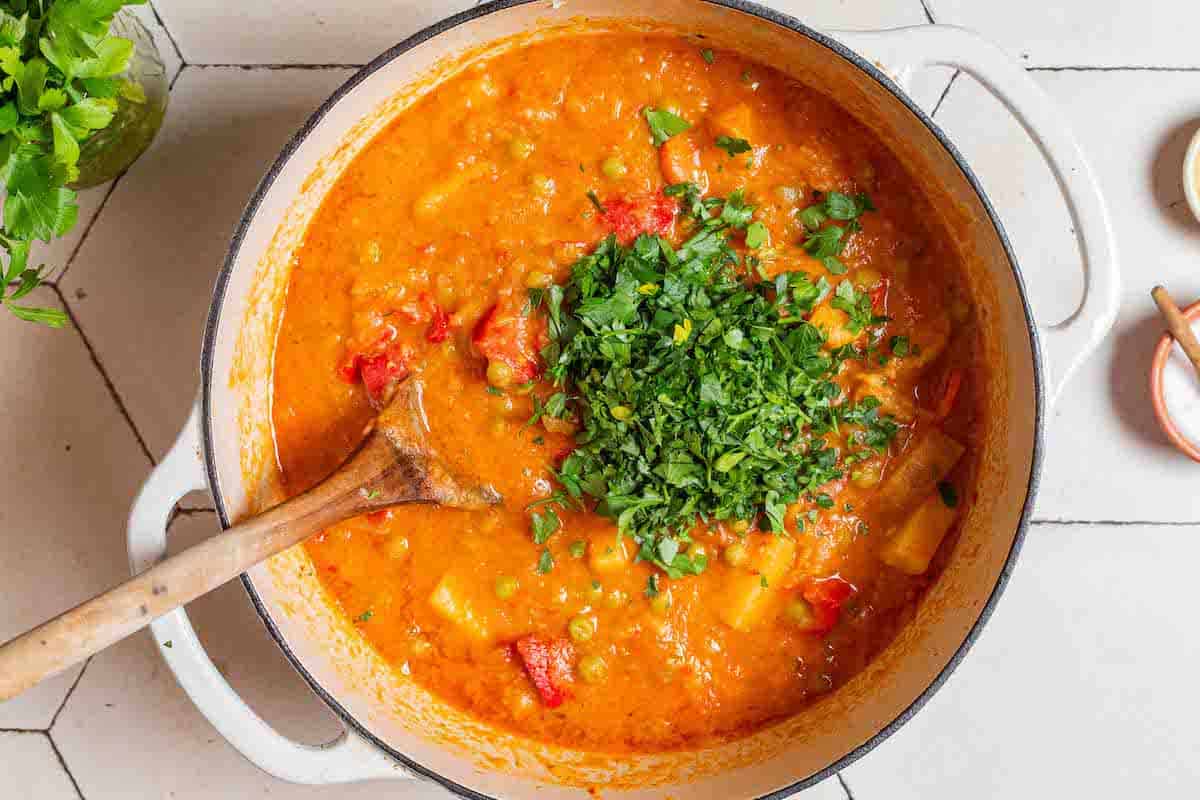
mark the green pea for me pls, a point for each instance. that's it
(499, 374)
(661, 602)
(799, 612)
(520, 148)
(506, 586)
(736, 555)
(581, 629)
(542, 184)
(593, 669)
(613, 168)
(577, 549)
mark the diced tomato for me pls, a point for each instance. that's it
(350, 369)
(439, 320)
(505, 334)
(645, 213)
(561, 456)
(550, 664)
(379, 517)
(951, 385)
(879, 296)
(827, 596)
(379, 372)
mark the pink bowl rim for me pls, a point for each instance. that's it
(1161, 353)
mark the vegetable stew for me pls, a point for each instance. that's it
(706, 337)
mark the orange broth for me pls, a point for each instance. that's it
(478, 192)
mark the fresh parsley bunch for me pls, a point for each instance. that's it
(58, 65)
(701, 396)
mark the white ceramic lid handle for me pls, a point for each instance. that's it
(902, 51)
(347, 758)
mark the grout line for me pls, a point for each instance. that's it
(1119, 523)
(278, 66)
(22, 730)
(929, 16)
(170, 36)
(70, 692)
(112, 389)
(87, 230)
(63, 763)
(946, 91)
(1127, 68)
(841, 780)
(179, 72)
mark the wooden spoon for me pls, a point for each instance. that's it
(393, 465)
(1178, 324)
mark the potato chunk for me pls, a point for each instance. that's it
(929, 459)
(436, 196)
(736, 122)
(456, 601)
(609, 553)
(748, 594)
(911, 547)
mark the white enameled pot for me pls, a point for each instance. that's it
(395, 729)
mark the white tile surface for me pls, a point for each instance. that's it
(297, 32)
(157, 248)
(1104, 420)
(1082, 685)
(165, 748)
(31, 770)
(1096, 33)
(63, 438)
(1067, 693)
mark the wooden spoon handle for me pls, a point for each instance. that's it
(1178, 324)
(95, 624)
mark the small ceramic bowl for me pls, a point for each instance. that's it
(1191, 174)
(1161, 354)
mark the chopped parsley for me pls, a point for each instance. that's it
(900, 346)
(858, 307)
(708, 56)
(826, 242)
(365, 616)
(664, 124)
(708, 398)
(949, 494)
(733, 146)
(545, 562)
(544, 525)
(756, 235)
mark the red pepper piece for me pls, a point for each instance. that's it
(827, 596)
(550, 664)
(951, 386)
(644, 213)
(879, 296)
(505, 334)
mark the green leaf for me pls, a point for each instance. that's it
(544, 525)
(545, 562)
(900, 346)
(111, 57)
(31, 82)
(40, 215)
(52, 100)
(664, 124)
(13, 29)
(88, 115)
(732, 146)
(756, 235)
(66, 148)
(45, 316)
(8, 118)
(76, 25)
(708, 56)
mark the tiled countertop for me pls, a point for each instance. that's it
(1082, 685)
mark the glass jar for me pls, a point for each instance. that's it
(141, 106)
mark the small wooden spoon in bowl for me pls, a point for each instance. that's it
(394, 465)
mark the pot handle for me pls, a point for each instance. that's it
(903, 51)
(347, 758)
